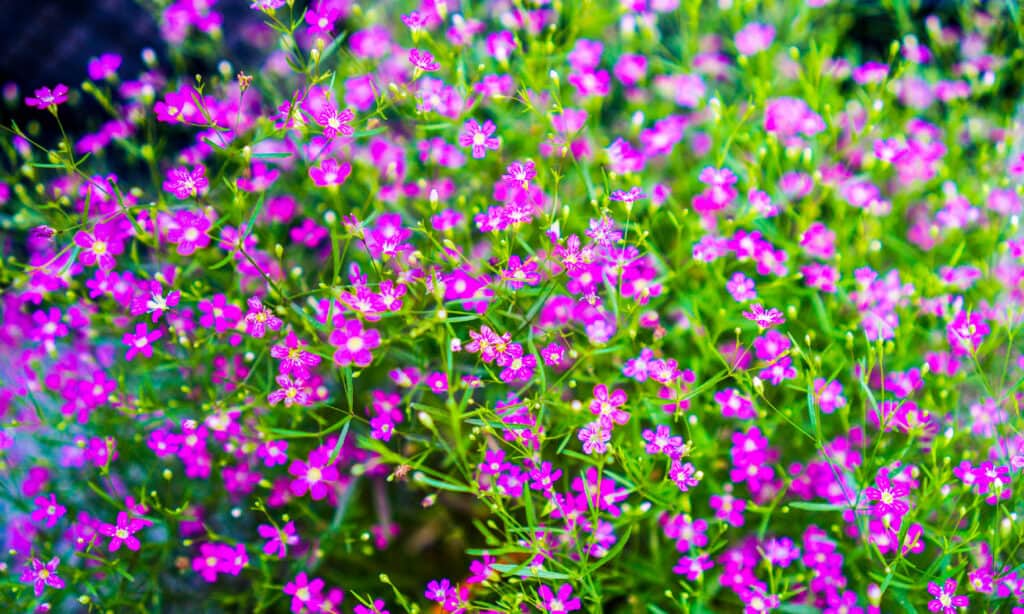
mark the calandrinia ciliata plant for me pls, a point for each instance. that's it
(540, 306)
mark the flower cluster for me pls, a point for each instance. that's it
(520, 307)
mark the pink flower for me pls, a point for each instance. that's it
(259, 318)
(104, 67)
(267, 5)
(966, 333)
(754, 38)
(184, 183)
(292, 392)
(40, 575)
(946, 600)
(98, 248)
(683, 474)
(479, 137)
(423, 60)
(312, 476)
(141, 342)
(500, 45)
(728, 508)
(521, 273)
(330, 173)
(354, 343)
(887, 496)
(335, 122)
(560, 602)
(519, 174)
(46, 99)
(378, 607)
(273, 453)
(123, 532)
(829, 395)
(693, 567)
(607, 406)
(189, 231)
(278, 540)
(294, 360)
(741, 288)
(217, 558)
(219, 314)
(595, 437)
(306, 595)
(764, 319)
(48, 509)
(634, 194)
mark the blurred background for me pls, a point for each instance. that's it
(45, 42)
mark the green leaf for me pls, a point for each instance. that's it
(271, 155)
(514, 570)
(817, 507)
(429, 481)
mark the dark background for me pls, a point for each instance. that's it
(45, 42)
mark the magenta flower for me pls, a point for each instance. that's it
(273, 453)
(48, 509)
(728, 509)
(278, 540)
(104, 67)
(946, 600)
(754, 38)
(98, 248)
(141, 342)
(560, 602)
(123, 532)
(306, 595)
(47, 99)
(217, 558)
(518, 367)
(488, 343)
(378, 607)
(184, 183)
(312, 476)
(354, 343)
(189, 231)
(741, 288)
(330, 173)
(693, 567)
(40, 575)
(684, 475)
(966, 333)
(521, 273)
(260, 318)
(764, 319)
(479, 137)
(887, 496)
(294, 360)
(634, 194)
(607, 406)
(519, 173)
(595, 437)
(292, 392)
(335, 122)
(217, 313)
(423, 60)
